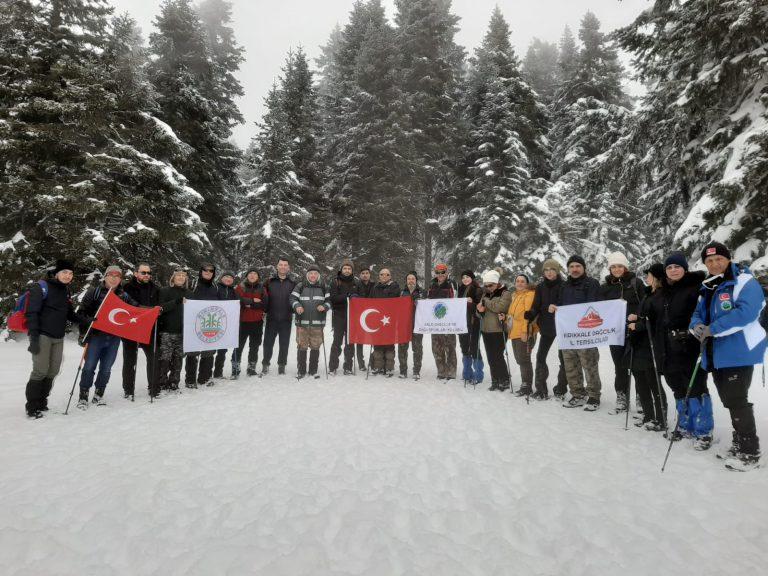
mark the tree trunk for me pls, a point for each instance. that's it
(427, 252)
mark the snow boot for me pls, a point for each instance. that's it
(703, 421)
(592, 405)
(251, 369)
(403, 374)
(314, 361)
(575, 402)
(621, 404)
(35, 415)
(539, 395)
(264, 369)
(684, 420)
(494, 386)
(348, 372)
(477, 369)
(466, 372)
(416, 376)
(734, 449)
(748, 457)
(301, 363)
(236, 371)
(281, 369)
(98, 397)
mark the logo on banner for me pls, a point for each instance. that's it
(440, 310)
(211, 324)
(590, 320)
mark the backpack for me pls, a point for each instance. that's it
(17, 321)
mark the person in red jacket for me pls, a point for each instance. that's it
(253, 302)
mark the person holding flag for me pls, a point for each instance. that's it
(383, 361)
(364, 291)
(47, 315)
(226, 291)
(343, 287)
(144, 291)
(102, 346)
(443, 345)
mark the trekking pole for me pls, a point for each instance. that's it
(325, 359)
(77, 376)
(629, 385)
(153, 376)
(506, 355)
(368, 368)
(702, 349)
(660, 390)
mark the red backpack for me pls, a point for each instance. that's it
(17, 321)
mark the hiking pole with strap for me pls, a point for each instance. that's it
(153, 377)
(77, 376)
(629, 383)
(702, 349)
(325, 358)
(506, 355)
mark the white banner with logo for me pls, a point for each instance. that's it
(591, 325)
(444, 316)
(211, 325)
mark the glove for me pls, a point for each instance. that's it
(702, 332)
(81, 340)
(34, 344)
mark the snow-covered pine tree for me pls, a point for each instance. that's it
(541, 69)
(430, 65)
(189, 81)
(499, 220)
(78, 179)
(271, 215)
(589, 116)
(700, 140)
(373, 208)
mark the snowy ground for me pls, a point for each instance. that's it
(380, 477)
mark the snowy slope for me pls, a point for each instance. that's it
(380, 477)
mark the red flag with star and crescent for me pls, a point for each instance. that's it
(121, 319)
(380, 321)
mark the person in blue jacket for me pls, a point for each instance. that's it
(726, 317)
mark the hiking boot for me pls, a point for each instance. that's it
(575, 402)
(523, 392)
(540, 396)
(702, 443)
(264, 369)
(281, 369)
(592, 405)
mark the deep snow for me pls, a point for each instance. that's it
(381, 477)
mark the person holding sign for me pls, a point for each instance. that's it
(493, 305)
(469, 343)
(580, 289)
(522, 334)
(205, 289)
(171, 327)
(443, 345)
(726, 320)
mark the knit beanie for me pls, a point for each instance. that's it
(578, 260)
(63, 265)
(677, 258)
(313, 268)
(469, 273)
(715, 249)
(656, 270)
(617, 259)
(491, 277)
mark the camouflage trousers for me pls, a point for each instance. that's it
(171, 354)
(383, 358)
(309, 338)
(579, 363)
(444, 351)
(417, 345)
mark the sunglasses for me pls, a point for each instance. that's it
(208, 270)
(441, 273)
(144, 273)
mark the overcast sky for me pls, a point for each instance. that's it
(267, 29)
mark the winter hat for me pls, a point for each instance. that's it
(551, 263)
(677, 258)
(207, 265)
(617, 259)
(253, 269)
(441, 267)
(364, 269)
(313, 268)
(63, 265)
(469, 273)
(113, 270)
(656, 270)
(577, 259)
(227, 273)
(715, 249)
(412, 273)
(347, 262)
(491, 277)
(520, 274)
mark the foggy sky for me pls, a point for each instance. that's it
(267, 29)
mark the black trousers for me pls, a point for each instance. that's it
(494, 350)
(678, 369)
(733, 388)
(621, 359)
(130, 360)
(249, 332)
(339, 325)
(205, 373)
(277, 329)
(652, 398)
(542, 370)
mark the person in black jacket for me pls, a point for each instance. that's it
(342, 288)
(171, 327)
(579, 289)
(472, 359)
(364, 291)
(621, 284)
(383, 361)
(678, 349)
(443, 345)
(416, 293)
(547, 294)
(48, 311)
(205, 289)
(226, 291)
(102, 347)
(644, 367)
(279, 316)
(144, 291)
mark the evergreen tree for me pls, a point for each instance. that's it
(272, 214)
(430, 65)
(541, 69)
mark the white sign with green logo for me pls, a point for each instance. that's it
(211, 325)
(445, 316)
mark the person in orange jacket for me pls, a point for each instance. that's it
(522, 333)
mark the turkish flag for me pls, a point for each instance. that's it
(380, 321)
(129, 322)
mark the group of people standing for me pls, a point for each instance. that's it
(681, 324)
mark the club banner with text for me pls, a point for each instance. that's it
(591, 325)
(211, 325)
(444, 316)
(120, 319)
(380, 321)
